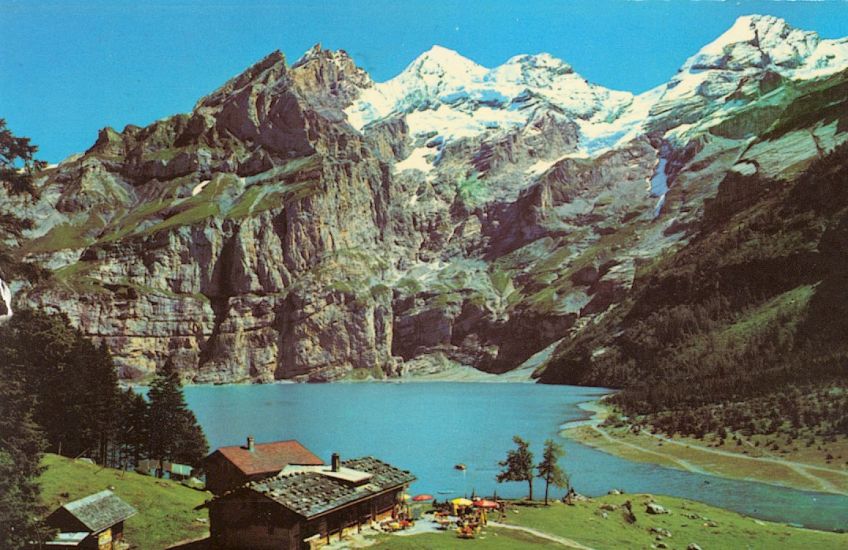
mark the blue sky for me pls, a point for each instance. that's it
(69, 68)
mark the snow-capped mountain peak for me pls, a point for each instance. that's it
(763, 42)
(756, 48)
(430, 74)
(441, 93)
(444, 93)
(756, 41)
(443, 63)
(532, 70)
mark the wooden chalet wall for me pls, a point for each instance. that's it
(247, 520)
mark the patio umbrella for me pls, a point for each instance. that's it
(483, 503)
(460, 503)
(422, 498)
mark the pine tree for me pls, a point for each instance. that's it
(17, 164)
(21, 447)
(73, 382)
(44, 345)
(58, 392)
(132, 430)
(518, 465)
(174, 431)
(101, 401)
(549, 469)
(192, 447)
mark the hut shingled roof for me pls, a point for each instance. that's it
(100, 510)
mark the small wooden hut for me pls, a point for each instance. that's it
(96, 521)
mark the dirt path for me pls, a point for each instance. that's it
(568, 543)
(684, 464)
(806, 471)
(801, 469)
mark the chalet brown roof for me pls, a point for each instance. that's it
(310, 493)
(100, 510)
(269, 458)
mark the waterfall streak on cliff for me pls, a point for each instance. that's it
(6, 294)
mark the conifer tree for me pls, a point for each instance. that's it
(101, 401)
(17, 162)
(132, 430)
(21, 446)
(72, 383)
(44, 345)
(174, 431)
(549, 469)
(518, 465)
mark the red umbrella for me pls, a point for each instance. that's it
(483, 503)
(421, 498)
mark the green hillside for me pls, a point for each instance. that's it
(600, 523)
(166, 513)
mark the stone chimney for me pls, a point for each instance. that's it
(335, 462)
(250, 446)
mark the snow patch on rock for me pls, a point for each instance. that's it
(199, 187)
(417, 160)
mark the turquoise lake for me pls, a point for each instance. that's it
(428, 428)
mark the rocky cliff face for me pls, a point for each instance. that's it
(304, 222)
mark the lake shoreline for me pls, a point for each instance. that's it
(426, 371)
(687, 455)
(467, 375)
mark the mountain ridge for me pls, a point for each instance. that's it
(304, 222)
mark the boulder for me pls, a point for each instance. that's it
(627, 510)
(660, 531)
(656, 509)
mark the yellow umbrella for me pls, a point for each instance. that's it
(460, 503)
